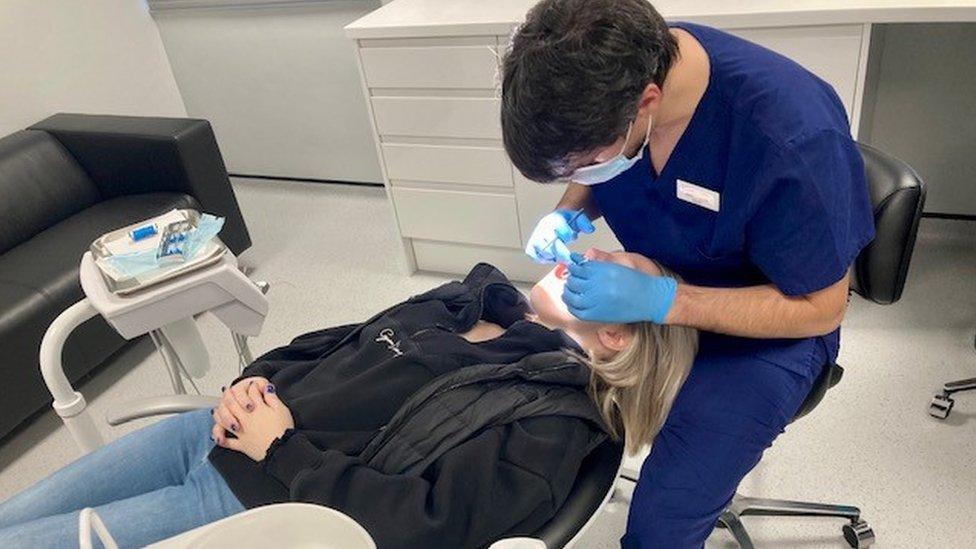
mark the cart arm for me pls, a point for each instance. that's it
(157, 406)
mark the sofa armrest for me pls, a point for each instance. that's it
(132, 154)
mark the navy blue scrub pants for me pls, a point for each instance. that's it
(731, 407)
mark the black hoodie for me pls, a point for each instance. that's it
(455, 471)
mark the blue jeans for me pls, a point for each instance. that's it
(146, 486)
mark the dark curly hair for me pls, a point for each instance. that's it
(572, 78)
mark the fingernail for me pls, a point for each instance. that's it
(271, 388)
(250, 407)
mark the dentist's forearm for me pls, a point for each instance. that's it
(759, 311)
(579, 197)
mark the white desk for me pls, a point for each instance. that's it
(429, 71)
(425, 18)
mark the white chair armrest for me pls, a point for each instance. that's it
(279, 525)
(156, 406)
(518, 543)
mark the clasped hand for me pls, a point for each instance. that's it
(253, 413)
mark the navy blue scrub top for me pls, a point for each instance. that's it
(773, 141)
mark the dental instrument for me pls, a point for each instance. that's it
(570, 222)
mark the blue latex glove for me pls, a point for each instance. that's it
(551, 234)
(599, 291)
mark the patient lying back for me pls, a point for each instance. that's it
(449, 420)
(457, 417)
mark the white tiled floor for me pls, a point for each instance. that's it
(331, 258)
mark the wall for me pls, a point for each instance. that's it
(922, 106)
(277, 80)
(96, 56)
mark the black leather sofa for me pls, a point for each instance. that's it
(65, 181)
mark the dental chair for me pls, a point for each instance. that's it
(878, 275)
(166, 312)
(323, 527)
(594, 484)
(591, 490)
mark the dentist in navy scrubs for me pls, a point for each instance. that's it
(726, 162)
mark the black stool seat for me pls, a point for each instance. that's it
(829, 376)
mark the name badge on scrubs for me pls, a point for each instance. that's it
(700, 196)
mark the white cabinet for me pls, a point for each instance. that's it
(435, 113)
(457, 198)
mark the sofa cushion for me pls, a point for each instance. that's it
(24, 317)
(40, 185)
(49, 262)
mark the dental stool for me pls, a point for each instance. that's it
(879, 272)
(942, 403)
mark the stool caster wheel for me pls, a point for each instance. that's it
(941, 406)
(858, 534)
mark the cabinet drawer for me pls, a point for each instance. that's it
(451, 257)
(429, 67)
(448, 164)
(457, 216)
(471, 117)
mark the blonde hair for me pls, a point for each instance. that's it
(635, 389)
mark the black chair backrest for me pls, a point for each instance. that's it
(897, 195)
(593, 483)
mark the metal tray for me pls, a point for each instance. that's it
(209, 255)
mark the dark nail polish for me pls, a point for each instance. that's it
(271, 388)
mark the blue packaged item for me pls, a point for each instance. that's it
(143, 233)
(179, 242)
(173, 241)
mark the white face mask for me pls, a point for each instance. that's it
(605, 171)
